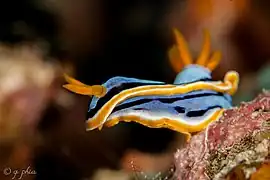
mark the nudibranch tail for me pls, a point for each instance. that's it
(180, 57)
(83, 89)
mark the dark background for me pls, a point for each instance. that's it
(105, 38)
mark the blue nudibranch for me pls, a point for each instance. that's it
(188, 105)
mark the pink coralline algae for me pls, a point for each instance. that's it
(234, 145)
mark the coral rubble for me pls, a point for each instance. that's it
(236, 146)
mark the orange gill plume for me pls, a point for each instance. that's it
(180, 56)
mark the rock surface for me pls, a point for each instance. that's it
(236, 146)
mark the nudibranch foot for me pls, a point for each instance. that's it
(153, 119)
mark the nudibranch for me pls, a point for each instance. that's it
(188, 105)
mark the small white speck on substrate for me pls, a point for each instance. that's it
(181, 164)
(249, 172)
(254, 114)
(221, 120)
(263, 146)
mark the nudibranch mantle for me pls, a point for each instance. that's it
(192, 73)
(188, 105)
